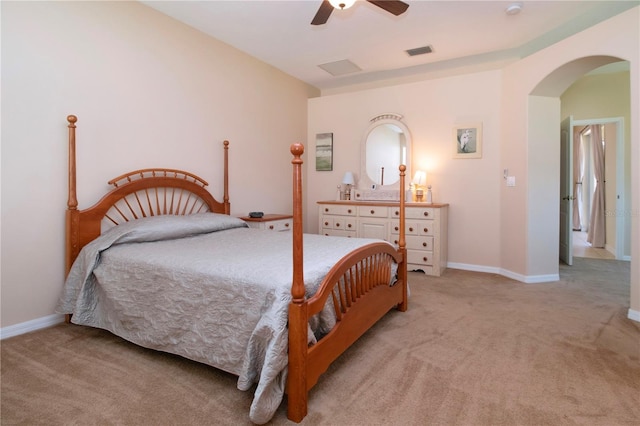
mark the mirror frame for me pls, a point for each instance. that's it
(365, 181)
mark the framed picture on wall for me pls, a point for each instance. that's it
(324, 152)
(467, 141)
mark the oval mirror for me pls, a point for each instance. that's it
(386, 145)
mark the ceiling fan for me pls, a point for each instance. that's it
(395, 7)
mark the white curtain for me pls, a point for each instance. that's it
(577, 177)
(596, 232)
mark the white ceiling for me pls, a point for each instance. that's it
(462, 33)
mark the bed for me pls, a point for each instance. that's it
(160, 262)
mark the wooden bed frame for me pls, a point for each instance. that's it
(358, 283)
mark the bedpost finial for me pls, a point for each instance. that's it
(226, 144)
(297, 149)
(402, 168)
(72, 119)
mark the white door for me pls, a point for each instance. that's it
(566, 191)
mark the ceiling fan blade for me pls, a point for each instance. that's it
(395, 7)
(323, 13)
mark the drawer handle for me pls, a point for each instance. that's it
(426, 214)
(337, 225)
(349, 211)
(425, 258)
(396, 228)
(426, 229)
(349, 226)
(286, 225)
(373, 212)
(326, 209)
(270, 226)
(410, 229)
(424, 244)
(326, 224)
(395, 241)
(397, 213)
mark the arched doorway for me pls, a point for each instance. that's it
(550, 89)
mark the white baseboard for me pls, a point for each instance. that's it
(610, 249)
(33, 325)
(633, 315)
(527, 279)
(474, 268)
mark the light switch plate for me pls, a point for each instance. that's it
(511, 181)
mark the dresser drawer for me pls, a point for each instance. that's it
(339, 222)
(419, 242)
(279, 225)
(426, 227)
(415, 242)
(339, 210)
(270, 222)
(339, 233)
(410, 228)
(419, 213)
(417, 257)
(373, 211)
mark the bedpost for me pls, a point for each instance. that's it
(402, 245)
(72, 215)
(297, 379)
(225, 198)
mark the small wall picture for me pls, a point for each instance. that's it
(324, 152)
(467, 141)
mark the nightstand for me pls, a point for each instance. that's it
(273, 222)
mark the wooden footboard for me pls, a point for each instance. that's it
(361, 288)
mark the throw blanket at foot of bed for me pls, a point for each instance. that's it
(205, 287)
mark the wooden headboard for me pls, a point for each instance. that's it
(137, 194)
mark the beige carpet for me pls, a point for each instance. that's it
(473, 349)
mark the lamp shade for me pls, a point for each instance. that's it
(348, 179)
(420, 178)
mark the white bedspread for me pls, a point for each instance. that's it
(205, 287)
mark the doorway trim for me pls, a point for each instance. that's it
(620, 184)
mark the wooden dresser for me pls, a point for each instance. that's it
(426, 228)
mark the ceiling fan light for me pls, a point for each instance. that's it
(342, 4)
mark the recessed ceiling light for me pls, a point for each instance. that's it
(513, 9)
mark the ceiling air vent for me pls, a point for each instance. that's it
(340, 67)
(419, 51)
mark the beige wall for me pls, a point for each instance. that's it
(543, 190)
(430, 110)
(148, 92)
